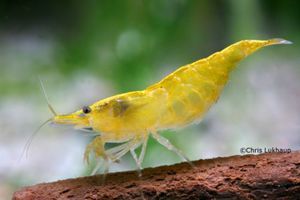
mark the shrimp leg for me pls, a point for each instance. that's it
(166, 143)
(142, 154)
(119, 151)
(97, 146)
(139, 160)
(139, 167)
(105, 165)
(113, 151)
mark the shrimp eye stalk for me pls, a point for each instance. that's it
(86, 109)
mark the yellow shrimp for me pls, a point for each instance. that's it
(181, 98)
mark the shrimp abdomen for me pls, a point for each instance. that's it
(193, 88)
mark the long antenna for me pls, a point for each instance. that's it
(29, 140)
(46, 97)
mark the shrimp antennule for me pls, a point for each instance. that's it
(47, 99)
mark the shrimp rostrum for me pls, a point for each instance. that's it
(179, 99)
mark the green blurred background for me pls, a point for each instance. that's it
(87, 50)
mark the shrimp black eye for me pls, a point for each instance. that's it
(86, 109)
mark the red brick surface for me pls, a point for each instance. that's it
(264, 176)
